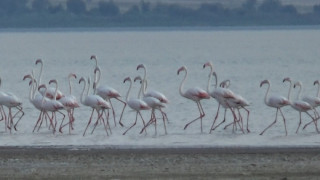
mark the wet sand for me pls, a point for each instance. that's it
(97, 162)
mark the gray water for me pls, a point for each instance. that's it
(245, 56)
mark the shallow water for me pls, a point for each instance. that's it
(245, 56)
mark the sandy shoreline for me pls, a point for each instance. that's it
(74, 162)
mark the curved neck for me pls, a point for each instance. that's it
(144, 89)
(289, 92)
(40, 73)
(145, 73)
(266, 95)
(70, 85)
(127, 97)
(318, 93)
(44, 96)
(216, 78)
(299, 92)
(209, 79)
(182, 83)
(55, 92)
(82, 93)
(96, 80)
(88, 91)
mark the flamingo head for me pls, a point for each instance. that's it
(81, 79)
(207, 64)
(42, 86)
(127, 79)
(39, 61)
(182, 68)
(53, 81)
(93, 57)
(72, 75)
(298, 83)
(141, 66)
(316, 82)
(138, 78)
(225, 83)
(27, 76)
(287, 79)
(264, 82)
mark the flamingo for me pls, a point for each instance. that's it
(135, 104)
(274, 101)
(70, 103)
(107, 93)
(300, 105)
(51, 105)
(238, 102)
(195, 94)
(314, 101)
(10, 100)
(35, 98)
(153, 93)
(50, 90)
(220, 95)
(96, 102)
(152, 102)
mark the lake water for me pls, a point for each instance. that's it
(245, 56)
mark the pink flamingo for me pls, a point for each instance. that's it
(70, 103)
(152, 102)
(135, 104)
(220, 95)
(96, 102)
(299, 105)
(50, 91)
(11, 101)
(107, 93)
(195, 94)
(274, 101)
(153, 93)
(238, 102)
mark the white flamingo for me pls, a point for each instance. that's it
(10, 100)
(135, 104)
(220, 95)
(36, 99)
(69, 102)
(50, 91)
(274, 101)
(96, 102)
(195, 94)
(152, 102)
(107, 93)
(299, 105)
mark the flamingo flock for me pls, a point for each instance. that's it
(52, 104)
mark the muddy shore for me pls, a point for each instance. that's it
(159, 163)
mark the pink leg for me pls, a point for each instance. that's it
(88, 122)
(200, 117)
(284, 121)
(271, 123)
(135, 122)
(215, 119)
(299, 122)
(125, 104)
(315, 122)
(39, 119)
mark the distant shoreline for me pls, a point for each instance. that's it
(160, 28)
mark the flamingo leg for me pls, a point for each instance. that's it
(299, 122)
(215, 119)
(113, 113)
(19, 110)
(39, 119)
(164, 117)
(224, 119)
(315, 122)
(200, 117)
(90, 119)
(132, 124)
(125, 104)
(248, 113)
(284, 121)
(317, 118)
(152, 119)
(271, 123)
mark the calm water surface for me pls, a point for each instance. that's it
(245, 56)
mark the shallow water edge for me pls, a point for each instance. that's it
(96, 162)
